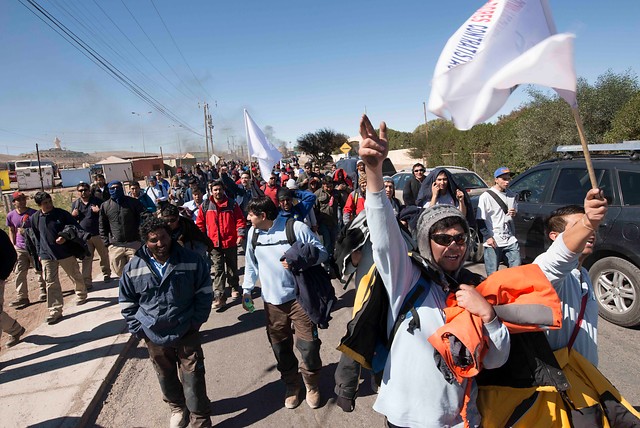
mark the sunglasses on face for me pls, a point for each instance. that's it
(446, 240)
(83, 190)
(418, 170)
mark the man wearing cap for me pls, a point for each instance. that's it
(156, 191)
(161, 181)
(18, 222)
(119, 222)
(496, 209)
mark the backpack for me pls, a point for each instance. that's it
(319, 298)
(366, 340)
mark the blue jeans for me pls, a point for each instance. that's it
(493, 256)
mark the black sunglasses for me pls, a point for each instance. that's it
(418, 170)
(446, 240)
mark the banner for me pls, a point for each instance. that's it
(504, 44)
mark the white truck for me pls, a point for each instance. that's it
(28, 174)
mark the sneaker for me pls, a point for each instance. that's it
(54, 318)
(179, 418)
(292, 396)
(20, 303)
(235, 294)
(15, 338)
(219, 303)
(81, 301)
(107, 278)
(313, 398)
(42, 297)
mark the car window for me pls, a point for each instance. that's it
(574, 183)
(629, 185)
(531, 187)
(469, 180)
(399, 180)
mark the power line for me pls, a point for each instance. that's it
(102, 62)
(179, 51)
(157, 50)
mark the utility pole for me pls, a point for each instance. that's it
(426, 126)
(210, 124)
(206, 130)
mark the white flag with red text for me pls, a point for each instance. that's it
(505, 43)
(260, 147)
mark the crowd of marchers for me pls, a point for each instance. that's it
(445, 347)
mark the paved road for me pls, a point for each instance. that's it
(244, 385)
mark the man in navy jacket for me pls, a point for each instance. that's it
(165, 296)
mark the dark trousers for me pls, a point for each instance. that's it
(283, 323)
(187, 356)
(347, 377)
(221, 257)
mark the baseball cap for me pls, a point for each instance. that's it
(291, 184)
(18, 195)
(501, 171)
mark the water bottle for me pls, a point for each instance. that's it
(248, 303)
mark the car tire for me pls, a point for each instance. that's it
(616, 284)
(476, 250)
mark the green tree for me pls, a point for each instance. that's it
(398, 139)
(600, 103)
(320, 144)
(626, 124)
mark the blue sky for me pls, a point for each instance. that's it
(296, 66)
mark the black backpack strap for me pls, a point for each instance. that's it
(498, 200)
(291, 234)
(408, 307)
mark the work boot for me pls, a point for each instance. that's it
(235, 294)
(219, 302)
(313, 392)
(20, 303)
(179, 418)
(54, 318)
(81, 301)
(15, 338)
(292, 396)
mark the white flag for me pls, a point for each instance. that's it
(504, 44)
(260, 147)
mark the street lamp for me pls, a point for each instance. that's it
(142, 130)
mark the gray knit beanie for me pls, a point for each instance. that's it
(428, 218)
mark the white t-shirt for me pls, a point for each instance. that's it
(498, 223)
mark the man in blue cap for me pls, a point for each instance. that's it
(496, 209)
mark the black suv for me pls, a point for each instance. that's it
(614, 266)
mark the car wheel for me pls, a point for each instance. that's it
(616, 284)
(476, 250)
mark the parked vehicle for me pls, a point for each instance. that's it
(614, 266)
(465, 178)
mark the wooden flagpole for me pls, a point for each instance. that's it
(585, 147)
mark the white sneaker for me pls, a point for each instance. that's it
(179, 419)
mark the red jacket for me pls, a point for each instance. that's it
(355, 204)
(222, 223)
(271, 192)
